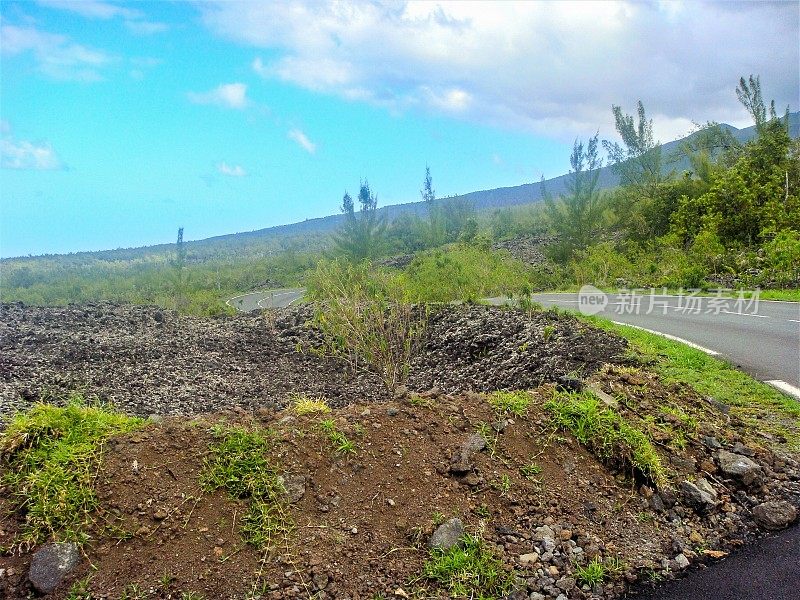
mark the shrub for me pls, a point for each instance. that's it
(365, 320)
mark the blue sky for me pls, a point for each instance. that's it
(122, 122)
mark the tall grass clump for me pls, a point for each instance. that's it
(606, 434)
(365, 319)
(51, 457)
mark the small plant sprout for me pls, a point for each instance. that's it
(341, 444)
(305, 405)
(592, 574)
(530, 471)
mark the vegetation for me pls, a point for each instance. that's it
(759, 404)
(305, 405)
(468, 570)
(341, 443)
(514, 402)
(607, 434)
(52, 456)
(364, 318)
(361, 236)
(238, 464)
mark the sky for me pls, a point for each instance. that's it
(121, 122)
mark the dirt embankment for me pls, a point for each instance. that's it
(542, 502)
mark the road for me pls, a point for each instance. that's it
(762, 339)
(266, 299)
(766, 570)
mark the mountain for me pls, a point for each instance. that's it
(309, 234)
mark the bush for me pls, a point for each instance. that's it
(782, 259)
(601, 265)
(365, 319)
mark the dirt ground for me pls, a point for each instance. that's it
(362, 521)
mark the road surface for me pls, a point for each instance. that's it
(766, 570)
(762, 339)
(266, 299)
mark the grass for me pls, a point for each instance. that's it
(306, 405)
(515, 402)
(760, 405)
(606, 433)
(591, 574)
(341, 444)
(530, 471)
(468, 571)
(52, 456)
(238, 463)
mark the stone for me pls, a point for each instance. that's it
(699, 494)
(566, 583)
(447, 535)
(320, 580)
(392, 412)
(462, 457)
(545, 531)
(775, 515)
(681, 561)
(294, 485)
(51, 564)
(742, 468)
(529, 558)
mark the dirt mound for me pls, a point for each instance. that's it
(529, 250)
(540, 501)
(147, 360)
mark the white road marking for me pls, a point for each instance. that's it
(674, 338)
(794, 321)
(741, 314)
(785, 387)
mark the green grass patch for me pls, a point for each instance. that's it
(239, 463)
(515, 402)
(306, 405)
(759, 404)
(606, 434)
(468, 571)
(51, 458)
(341, 444)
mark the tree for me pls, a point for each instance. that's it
(361, 236)
(178, 263)
(577, 216)
(435, 234)
(749, 94)
(638, 162)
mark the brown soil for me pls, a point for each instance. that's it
(363, 520)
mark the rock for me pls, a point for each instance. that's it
(400, 392)
(739, 467)
(681, 561)
(320, 580)
(545, 531)
(529, 558)
(537, 596)
(775, 515)
(295, 486)
(51, 564)
(447, 535)
(392, 411)
(566, 583)
(699, 494)
(462, 457)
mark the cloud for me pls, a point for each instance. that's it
(230, 95)
(146, 27)
(24, 155)
(231, 171)
(302, 140)
(56, 55)
(552, 68)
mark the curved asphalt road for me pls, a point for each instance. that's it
(266, 299)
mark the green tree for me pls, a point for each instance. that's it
(178, 265)
(361, 236)
(638, 162)
(436, 233)
(577, 216)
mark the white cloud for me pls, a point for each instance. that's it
(25, 155)
(146, 27)
(554, 68)
(56, 55)
(230, 95)
(302, 140)
(231, 170)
